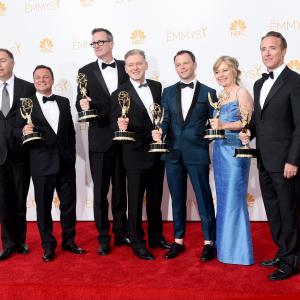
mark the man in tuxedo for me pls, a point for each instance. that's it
(144, 170)
(276, 126)
(103, 77)
(14, 162)
(186, 113)
(52, 163)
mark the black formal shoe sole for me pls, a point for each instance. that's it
(48, 258)
(282, 276)
(73, 250)
(270, 263)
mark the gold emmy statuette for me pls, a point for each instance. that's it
(35, 138)
(124, 136)
(157, 115)
(210, 133)
(90, 114)
(245, 151)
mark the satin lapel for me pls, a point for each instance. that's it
(276, 86)
(17, 95)
(120, 72)
(155, 93)
(178, 103)
(100, 78)
(194, 101)
(257, 95)
(61, 108)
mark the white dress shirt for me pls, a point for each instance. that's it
(50, 111)
(187, 95)
(10, 88)
(110, 76)
(145, 95)
(267, 85)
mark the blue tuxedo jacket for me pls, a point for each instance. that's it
(185, 137)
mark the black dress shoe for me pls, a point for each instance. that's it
(143, 253)
(7, 252)
(122, 241)
(281, 274)
(208, 253)
(104, 249)
(161, 243)
(175, 250)
(270, 263)
(22, 249)
(73, 248)
(48, 255)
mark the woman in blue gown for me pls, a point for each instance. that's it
(233, 240)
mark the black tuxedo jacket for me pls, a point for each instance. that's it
(136, 155)
(100, 132)
(277, 125)
(9, 145)
(58, 149)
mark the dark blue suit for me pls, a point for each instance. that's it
(189, 155)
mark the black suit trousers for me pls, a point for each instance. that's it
(14, 185)
(65, 184)
(107, 167)
(139, 182)
(281, 199)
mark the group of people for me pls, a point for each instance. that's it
(133, 171)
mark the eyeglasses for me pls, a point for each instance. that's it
(99, 43)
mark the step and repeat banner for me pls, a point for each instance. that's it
(58, 33)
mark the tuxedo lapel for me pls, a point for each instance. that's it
(61, 119)
(194, 101)
(99, 76)
(256, 91)
(178, 103)
(37, 113)
(276, 86)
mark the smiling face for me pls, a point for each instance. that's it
(43, 81)
(6, 66)
(272, 52)
(135, 67)
(185, 67)
(225, 75)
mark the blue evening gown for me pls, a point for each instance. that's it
(233, 240)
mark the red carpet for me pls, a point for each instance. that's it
(123, 276)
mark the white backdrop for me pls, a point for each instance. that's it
(57, 33)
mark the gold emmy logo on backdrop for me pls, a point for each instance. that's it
(56, 201)
(78, 44)
(3, 9)
(196, 34)
(238, 27)
(284, 25)
(41, 6)
(46, 45)
(16, 48)
(87, 3)
(253, 73)
(250, 200)
(155, 76)
(137, 36)
(294, 65)
(61, 86)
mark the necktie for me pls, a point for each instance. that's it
(265, 76)
(112, 65)
(184, 85)
(51, 98)
(143, 85)
(5, 101)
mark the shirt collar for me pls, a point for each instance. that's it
(278, 71)
(136, 84)
(10, 81)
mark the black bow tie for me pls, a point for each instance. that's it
(265, 76)
(143, 85)
(112, 65)
(51, 98)
(184, 85)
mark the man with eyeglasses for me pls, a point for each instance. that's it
(104, 76)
